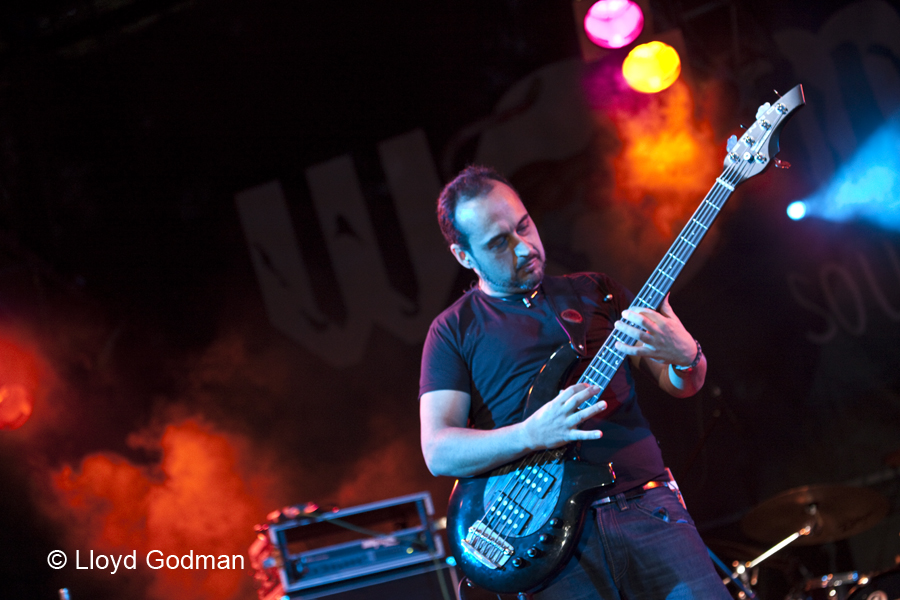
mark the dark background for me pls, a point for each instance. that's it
(127, 129)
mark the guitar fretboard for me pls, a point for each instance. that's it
(607, 361)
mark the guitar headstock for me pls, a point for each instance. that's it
(754, 151)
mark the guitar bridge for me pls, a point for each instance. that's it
(486, 546)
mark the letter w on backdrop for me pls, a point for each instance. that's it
(356, 257)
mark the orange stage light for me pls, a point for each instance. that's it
(18, 383)
(16, 404)
(651, 67)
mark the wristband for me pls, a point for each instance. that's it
(696, 361)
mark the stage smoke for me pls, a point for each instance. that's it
(668, 158)
(385, 473)
(203, 497)
(666, 162)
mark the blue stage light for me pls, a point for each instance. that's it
(867, 187)
(796, 210)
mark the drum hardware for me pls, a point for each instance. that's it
(744, 574)
(829, 587)
(883, 586)
(742, 581)
(807, 516)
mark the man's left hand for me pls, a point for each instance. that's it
(660, 335)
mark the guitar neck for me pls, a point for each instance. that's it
(607, 361)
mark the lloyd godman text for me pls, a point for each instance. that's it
(156, 559)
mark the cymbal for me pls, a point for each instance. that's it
(834, 512)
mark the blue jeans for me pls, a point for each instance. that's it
(643, 548)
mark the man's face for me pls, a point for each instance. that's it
(505, 249)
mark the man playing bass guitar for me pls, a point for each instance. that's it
(482, 354)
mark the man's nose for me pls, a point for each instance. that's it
(523, 248)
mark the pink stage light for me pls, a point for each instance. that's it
(613, 23)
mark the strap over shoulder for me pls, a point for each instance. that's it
(573, 316)
(569, 311)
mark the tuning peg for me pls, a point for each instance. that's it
(782, 164)
(732, 141)
(762, 110)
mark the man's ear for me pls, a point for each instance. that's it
(461, 255)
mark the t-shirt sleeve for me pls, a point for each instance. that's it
(443, 366)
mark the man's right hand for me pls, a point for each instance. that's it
(557, 422)
(451, 448)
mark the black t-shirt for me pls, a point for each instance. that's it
(492, 348)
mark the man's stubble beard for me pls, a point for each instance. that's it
(526, 285)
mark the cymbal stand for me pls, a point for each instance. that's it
(742, 568)
(735, 578)
(786, 541)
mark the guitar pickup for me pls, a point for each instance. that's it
(537, 479)
(486, 546)
(510, 515)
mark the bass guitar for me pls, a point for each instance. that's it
(512, 529)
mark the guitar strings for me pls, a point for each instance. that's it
(679, 253)
(496, 507)
(516, 481)
(519, 485)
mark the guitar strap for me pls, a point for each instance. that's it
(571, 315)
(569, 311)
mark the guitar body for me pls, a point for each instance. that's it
(540, 547)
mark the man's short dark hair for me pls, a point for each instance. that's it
(472, 182)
